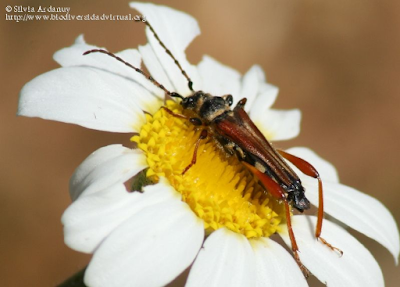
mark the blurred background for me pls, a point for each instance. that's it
(337, 61)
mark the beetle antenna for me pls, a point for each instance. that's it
(190, 83)
(150, 78)
(176, 95)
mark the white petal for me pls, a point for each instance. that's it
(176, 29)
(106, 167)
(155, 68)
(98, 157)
(226, 259)
(149, 249)
(325, 169)
(275, 267)
(251, 85)
(358, 211)
(90, 219)
(73, 56)
(357, 267)
(88, 97)
(266, 97)
(350, 206)
(278, 124)
(218, 79)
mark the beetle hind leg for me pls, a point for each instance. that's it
(318, 228)
(309, 170)
(330, 246)
(295, 248)
(276, 191)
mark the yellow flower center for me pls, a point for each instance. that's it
(218, 188)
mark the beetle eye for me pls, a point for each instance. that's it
(229, 100)
(189, 102)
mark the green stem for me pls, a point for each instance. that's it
(75, 280)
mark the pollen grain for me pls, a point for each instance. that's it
(218, 188)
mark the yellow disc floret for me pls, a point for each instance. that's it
(218, 188)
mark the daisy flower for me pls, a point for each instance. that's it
(216, 217)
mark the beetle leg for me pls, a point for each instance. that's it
(194, 121)
(309, 170)
(275, 190)
(175, 114)
(203, 135)
(295, 248)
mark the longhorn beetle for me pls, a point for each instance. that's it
(237, 133)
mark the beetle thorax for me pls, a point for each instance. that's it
(206, 106)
